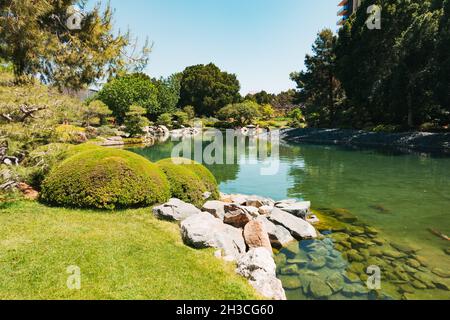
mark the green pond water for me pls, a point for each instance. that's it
(377, 208)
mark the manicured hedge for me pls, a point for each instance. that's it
(189, 180)
(105, 178)
(200, 170)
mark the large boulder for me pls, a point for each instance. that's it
(236, 216)
(258, 266)
(216, 208)
(298, 209)
(279, 236)
(175, 210)
(256, 236)
(204, 231)
(298, 227)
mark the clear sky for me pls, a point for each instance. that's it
(261, 41)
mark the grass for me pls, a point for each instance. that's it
(121, 255)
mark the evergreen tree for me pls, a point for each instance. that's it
(36, 37)
(318, 88)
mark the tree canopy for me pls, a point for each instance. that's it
(36, 39)
(133, 89)
(208, 89)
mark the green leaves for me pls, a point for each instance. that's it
(208, 89)
(122, 92)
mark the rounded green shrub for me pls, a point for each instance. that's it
(105, 178)
(188, 180)
(202, 172)
(76, 149)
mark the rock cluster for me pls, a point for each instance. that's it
(243, 229)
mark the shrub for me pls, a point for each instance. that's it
(187, 181)
(105, 179)
(165, 120)
(74, 150)
(41, 160)
(70, 134)
(202, 172)
(430, 127)
(135, 120)
(387, 128)
(106, 131)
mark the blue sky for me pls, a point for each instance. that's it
(261, 41)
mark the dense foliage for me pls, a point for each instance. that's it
(34, 36)
(186, 181)
(240, 113)
(397, 76)
(105, 179)
(208, 89)
(122, 92)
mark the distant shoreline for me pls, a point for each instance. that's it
(407, 141)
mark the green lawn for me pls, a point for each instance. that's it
(122, 255)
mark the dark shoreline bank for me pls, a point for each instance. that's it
(435, 143)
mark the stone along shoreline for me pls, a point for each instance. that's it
(245, 230)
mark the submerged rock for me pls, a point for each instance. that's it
(205, 231)
(291, 282)
(319, 289)
(335, 282)
(441, 273)
(175, 210)
(298, 227)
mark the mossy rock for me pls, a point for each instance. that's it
(319, 289)
(105, 178)
(290, 282)
(291, 269)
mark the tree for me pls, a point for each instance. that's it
(135, 120)
(261, 97)
(96, 110)
(34, 36)
(241, 113)
(208, 89)
(122, 92)
(318, 88)
(267, 112)
(165, 119)
(168, 93)
(190, 111)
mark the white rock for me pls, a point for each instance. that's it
(299, 209)
(298, 227)
(175, 210)
(216, 208)
(279, 236)
(253, 211)
(205, 231)
(265, 210)
(258, 266)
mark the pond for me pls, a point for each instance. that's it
(377, 207)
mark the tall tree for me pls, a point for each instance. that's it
(168, 93)
(208, 89)
(318, 88)
(133, 89)
(36, 37)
